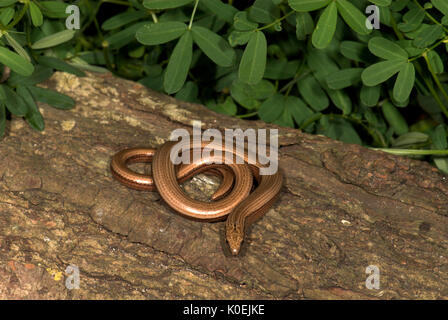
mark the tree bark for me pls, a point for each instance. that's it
(342, 208)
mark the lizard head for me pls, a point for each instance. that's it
(234, 237)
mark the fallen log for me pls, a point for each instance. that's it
(342, 209)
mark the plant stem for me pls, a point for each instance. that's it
(100, 34)
(154, 17)
(18, 17)
(394, 27)
(288, 91)
(92, 17)
(431, 89)
(412, 152)
(299, 75)
(436, 79)
(247, 115)
(192, 15)
(275, 21)
(444, 40)
(311, 120)
(430, 16)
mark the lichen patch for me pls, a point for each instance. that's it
(68, 125)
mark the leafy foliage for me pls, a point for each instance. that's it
(317, 65)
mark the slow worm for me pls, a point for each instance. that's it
(233, 199)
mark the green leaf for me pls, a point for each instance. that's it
(409, 139)
(371, 117)
(285, 119)
(214, 46)
(272, 108)
(33, 116)
(40, 74)
(241, 23)
(6, 3)
(381, 71)
(36, 15)
(339, 129)
(17, 47)
(179, 64)
(398, 5)
(394, 118)
(298, 109)
(413, 19)
(122, 19)
(441, 5)
(79, 63)
(243, 94)
(313, 93)
(386, 16)
(304, 25)
(344, 78)
(15, 62)
(6, 15)
(404, 83)
(61, 65)
(123, 37)
(162, 32)
(239, 37)
(354, 51)
(92, 57)
(2, 93)
(397, 103)
(326, 27)
(442, 164)
(383, 3)
(2, 119)
(51, 97)
(439, 138)
(435, 62)
(281, 69)
(153, 82)
(387, 49)
(307, 5)
(227, 107)
(353, 17)
(263, 11)
(224, 11)
(253, 62)
(341, 100)
(14, 103)
(54, 9)
(370, 95)
(137, 53)
(427, 35)
(262, 90)
(164, 4)
(35, 120)
(410, 49)
(189, 92)
(174, 15)
(54, 39)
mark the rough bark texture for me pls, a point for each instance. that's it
(343, 207)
